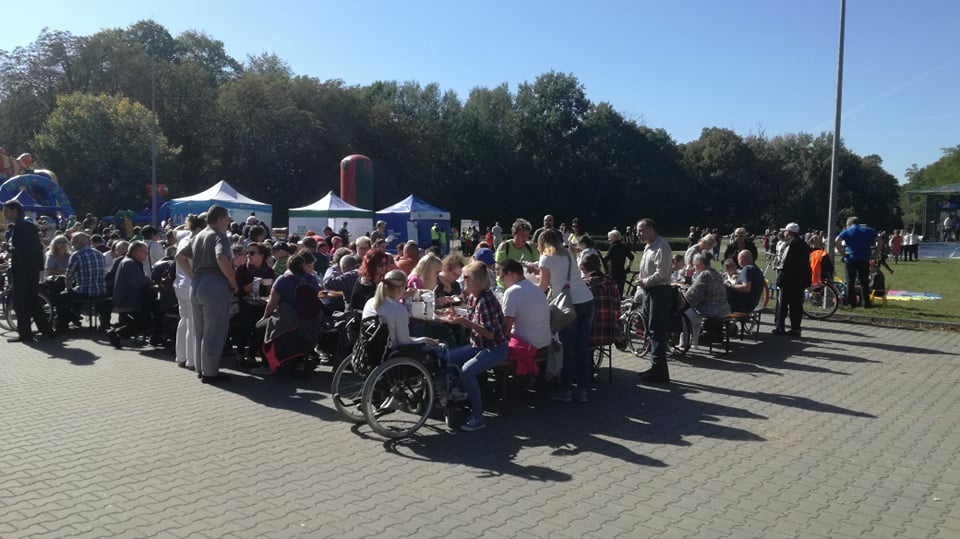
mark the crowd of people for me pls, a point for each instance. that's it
(213, 288)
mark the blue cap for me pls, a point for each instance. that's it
(484, 255)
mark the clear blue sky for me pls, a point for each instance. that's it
(749, 65)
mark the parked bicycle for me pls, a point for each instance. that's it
(820, 300)
(635, 325)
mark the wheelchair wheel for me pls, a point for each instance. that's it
(347, 390)
(398, 397)
(45, 306)
(635, 334)
(821, 301)
(6, 304)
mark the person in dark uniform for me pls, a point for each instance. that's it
(793, 278)
(25, 273)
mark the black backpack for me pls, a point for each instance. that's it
(306, 302)
(372, 346)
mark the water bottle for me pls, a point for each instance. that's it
(430, 309)
(255, 291)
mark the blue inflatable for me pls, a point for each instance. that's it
(48, 198)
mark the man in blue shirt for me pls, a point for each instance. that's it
(858, 242)
(744, 295)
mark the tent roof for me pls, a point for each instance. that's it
(222, 191)
(332, 203)
(411, 204)
(953, 188)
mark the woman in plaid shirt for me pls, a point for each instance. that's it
(488, 339)
(606, 302)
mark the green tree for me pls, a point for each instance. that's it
(100, 146)
(722, 168)
(267, 143)
(943, 171)
(31, 78)
(550, 114)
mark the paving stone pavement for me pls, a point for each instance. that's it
(850, 432)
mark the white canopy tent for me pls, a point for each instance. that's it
(225, 195)
(331, 211)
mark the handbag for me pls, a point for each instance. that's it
(554, 358)
(562, 313)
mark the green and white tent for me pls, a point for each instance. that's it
(331, 211)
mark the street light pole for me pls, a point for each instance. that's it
(153, 132)
(835, 161)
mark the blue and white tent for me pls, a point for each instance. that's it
(224, 194)
(412, 218)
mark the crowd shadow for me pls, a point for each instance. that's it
(303, 394)
(833, 329)
(616, 419)
(57, 349)
(717, 361)
(791, 401)
(766, 354)
(899, 348)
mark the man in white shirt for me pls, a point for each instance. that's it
(526, 313)
(654, 278)
(154, 250)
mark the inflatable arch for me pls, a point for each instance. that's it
(42, 189)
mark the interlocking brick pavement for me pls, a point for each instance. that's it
(850, 432)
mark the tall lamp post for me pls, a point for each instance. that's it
(153, 132)
(835, 161)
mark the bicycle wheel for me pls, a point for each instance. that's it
(680, 338)
(398, 397)
(635, 334)
(6, 305)
(347, 390)
(45, 306)
(821, 301)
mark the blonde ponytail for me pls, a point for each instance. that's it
(391, 281)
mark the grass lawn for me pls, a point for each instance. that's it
(939, 276)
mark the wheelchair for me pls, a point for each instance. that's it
(394, 391)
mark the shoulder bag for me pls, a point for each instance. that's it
(562, 313)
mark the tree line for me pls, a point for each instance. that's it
(81, 105)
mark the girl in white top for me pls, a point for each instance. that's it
(385, 303)
(558, 270)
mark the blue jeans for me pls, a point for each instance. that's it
(474, 362)
(576, 348)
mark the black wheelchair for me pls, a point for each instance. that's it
(394, 391)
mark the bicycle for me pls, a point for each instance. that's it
(10, 313)
(821, 300)
(635, 324)
(630, 285)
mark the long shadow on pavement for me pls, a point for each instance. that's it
(899, 348)
(303, 395)
(644, 415)
(769, 353)
(791, 401)
(56, 349)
